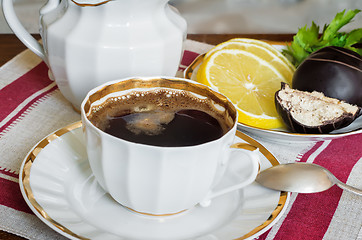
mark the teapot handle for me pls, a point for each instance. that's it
(19, 29)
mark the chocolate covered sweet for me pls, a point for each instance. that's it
(334, 71)
(313, 112)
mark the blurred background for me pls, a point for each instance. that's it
(230, 16)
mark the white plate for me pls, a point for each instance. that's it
(282, 135)
(58, 185)
(286, 136)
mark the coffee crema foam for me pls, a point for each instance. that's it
(158, 107)
(149, 123)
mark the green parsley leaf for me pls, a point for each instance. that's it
(307, 40)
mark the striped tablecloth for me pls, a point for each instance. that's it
(31, 107)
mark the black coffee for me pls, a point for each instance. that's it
(183, 128)
(161, 118)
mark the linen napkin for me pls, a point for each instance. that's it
(31, 107)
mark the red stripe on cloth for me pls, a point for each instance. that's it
(188, 57)
(16, 92)
(26, 107)
(310, 152)
(10, 196)
(311, 214)
(10, 174)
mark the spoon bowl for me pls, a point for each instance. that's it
(301, 178)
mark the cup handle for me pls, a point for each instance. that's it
(21, 32)
(253, 153)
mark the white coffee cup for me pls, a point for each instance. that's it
(162, 180)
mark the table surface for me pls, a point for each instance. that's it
(10, 46)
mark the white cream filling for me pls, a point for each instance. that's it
(314, 109)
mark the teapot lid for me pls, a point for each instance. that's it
(85, 3)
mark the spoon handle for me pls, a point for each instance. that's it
(349, 188)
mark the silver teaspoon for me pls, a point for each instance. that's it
(301, 178)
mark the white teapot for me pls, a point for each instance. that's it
(86, 43)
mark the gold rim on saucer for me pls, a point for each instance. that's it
(25, 175)
(31, 157)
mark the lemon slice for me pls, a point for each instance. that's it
(267, 46)
(262, 50)
(249, 81)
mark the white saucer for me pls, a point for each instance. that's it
(58, 185)
(285, 136)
